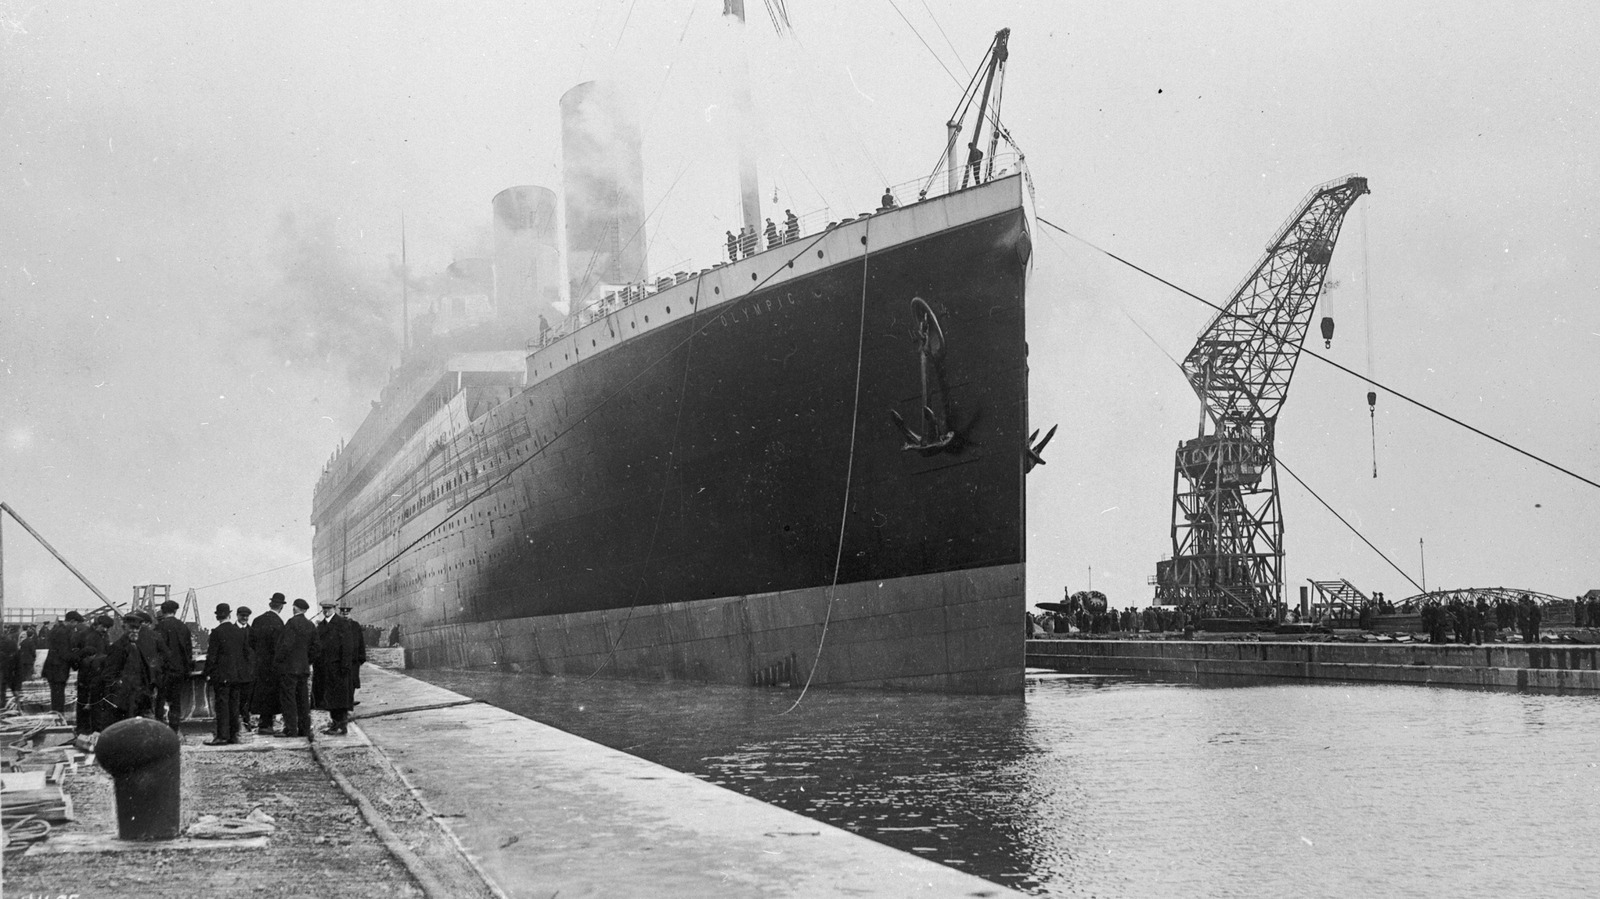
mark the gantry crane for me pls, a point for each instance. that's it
(1227, 527)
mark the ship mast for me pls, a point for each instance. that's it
(749, 190)
(405, 298)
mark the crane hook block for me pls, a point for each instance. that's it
(1372, 399)
(1327, 330)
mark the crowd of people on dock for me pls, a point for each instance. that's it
(1109, 621)
(1473, 622)
(258, 670)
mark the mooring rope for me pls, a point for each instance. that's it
(1318, 356)
(849, 470)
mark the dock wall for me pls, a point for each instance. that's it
(1557, 667)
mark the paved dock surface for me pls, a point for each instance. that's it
(320, 845)
(455, 798)
(543, 813)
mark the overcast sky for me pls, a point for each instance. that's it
(200, 233)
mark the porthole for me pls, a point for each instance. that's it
(819, 254)
(647, 319)
(592, 343)
(791, 263)
(669, 310)
(633, 325)
(716, 290)
(863, 240)
(752, 276)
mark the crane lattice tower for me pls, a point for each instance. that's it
(1227, 526)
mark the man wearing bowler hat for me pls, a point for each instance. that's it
(225, 665)
(297, 645)
(264, 633)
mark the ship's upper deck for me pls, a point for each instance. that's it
(421, 384)
(644, 308)
(415, 393)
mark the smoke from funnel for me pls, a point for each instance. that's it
(603, 181)
(527, 274)
(326, 311)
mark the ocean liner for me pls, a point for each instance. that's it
(802, 465)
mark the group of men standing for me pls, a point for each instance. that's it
(140, 673)
(257, 669)
(273, 667)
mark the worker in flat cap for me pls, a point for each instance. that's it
(129, 671)
(150, 645)
(341, 654)
(361, 653)
(297, 646)
(177, 663)
(264, 634)
(247, 685)
(91, 655)
(225, 670)
(319, 670)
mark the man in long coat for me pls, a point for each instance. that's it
(91, 652)
(151, 645)
(225, 667)
(297, 646)
(326, 625)
(248, 676)
(27, 655)
(361, 652)
(264, 633)
(343, 649)
(130, 674)
(59, 661)
(8, 665)
(177, 663)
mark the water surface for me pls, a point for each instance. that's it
(1115, 787)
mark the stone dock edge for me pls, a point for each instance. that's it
(1554, 667)
(541, 812)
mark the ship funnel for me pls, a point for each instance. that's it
(603, 180)
(527, 263)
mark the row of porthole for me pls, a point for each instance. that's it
(593, 342)
(754, 275)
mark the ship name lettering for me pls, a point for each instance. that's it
(774, 303)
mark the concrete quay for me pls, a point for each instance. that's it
(1554, 667)
(434, 794)
(542, 812)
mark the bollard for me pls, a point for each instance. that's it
(143, 757)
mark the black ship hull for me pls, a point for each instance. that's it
(723, 494)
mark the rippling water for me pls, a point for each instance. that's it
(1107, 787)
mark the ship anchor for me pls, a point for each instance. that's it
(937, 435)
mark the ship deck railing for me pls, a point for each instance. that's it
(811, 223)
